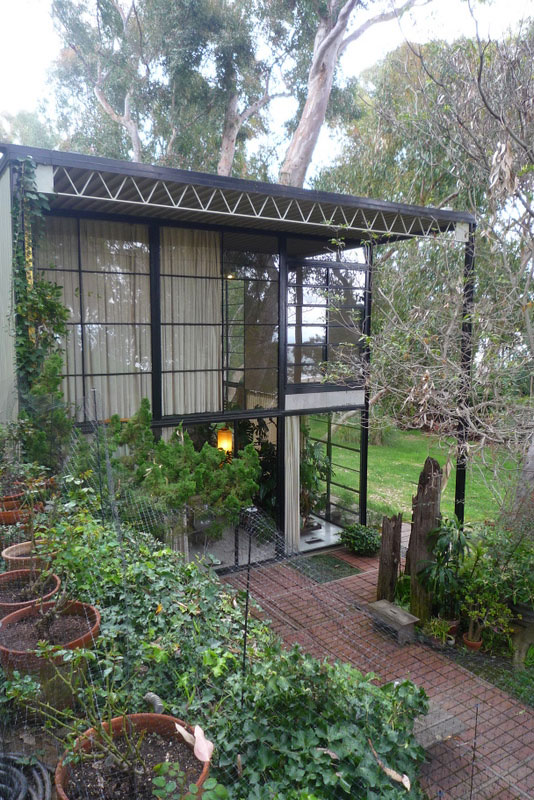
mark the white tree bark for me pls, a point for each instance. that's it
(331, 40)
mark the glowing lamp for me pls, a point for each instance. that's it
(224, 439)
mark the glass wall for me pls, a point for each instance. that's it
(251, 331)
(104, 270)
(191, 321)
(325, 312)
(338, 434)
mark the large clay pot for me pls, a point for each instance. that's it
(28, 662)
(23, 576)
(471, 645)
(152, 723)
(11, 501)
(20, 556)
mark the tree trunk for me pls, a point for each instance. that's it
(388, 568)
(300, 151)
(522, 510)
(426, 517)
(229, 137)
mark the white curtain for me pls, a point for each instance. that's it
(116, 313)
(191, 315)
(115, 300)
(292, 488)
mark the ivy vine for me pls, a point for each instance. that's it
(40, 329)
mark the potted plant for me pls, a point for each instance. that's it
(25, 587)
(483, 608)
(110, 753)
(63, 625)
(437, 630)
(188, 755)
(39, 549)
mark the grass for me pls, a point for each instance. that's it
(394, 472)
(394, 468)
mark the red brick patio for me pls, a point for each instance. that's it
(329, 621)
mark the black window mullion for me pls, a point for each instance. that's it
(155, 318)
(82, 329)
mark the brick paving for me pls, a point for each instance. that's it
(329, 620)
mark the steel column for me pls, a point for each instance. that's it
(466, 357)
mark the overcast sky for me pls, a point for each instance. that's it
(28, 42)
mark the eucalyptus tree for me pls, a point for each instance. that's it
(452, 125)
(187, 82)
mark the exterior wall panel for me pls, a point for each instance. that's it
(8, 408)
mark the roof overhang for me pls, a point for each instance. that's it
(79, 183)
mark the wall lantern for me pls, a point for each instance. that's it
(225, 440)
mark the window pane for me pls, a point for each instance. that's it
(191, 347)
(304, 295)
(114, 246)
(71, 287)
(190, 299)
(261, 346)
(309, 335)
(116, 298)
(120, 394)
(117, 348)
(306, 316)
(307, 276)
(191, 393)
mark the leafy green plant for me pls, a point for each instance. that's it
(360, 539)
(437, 628)
(403, 591)
(483, 608)
(173, 625)
(40, 330)
(444, 577)
(174, 474)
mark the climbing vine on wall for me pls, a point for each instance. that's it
(40, 329)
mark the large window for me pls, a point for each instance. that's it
(251, 331)
(191, 321)
(339, 436)
(104, 270)
(325, 304)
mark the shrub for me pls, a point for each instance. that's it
(361, 540)
(302, 728)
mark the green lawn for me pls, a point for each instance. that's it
(394, 469)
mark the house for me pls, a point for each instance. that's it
(217, 298)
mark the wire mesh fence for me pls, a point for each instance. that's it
(180, 617)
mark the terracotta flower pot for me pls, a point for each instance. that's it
(28, 662)
(19, 556)
(11, 501)
(23, 576)
(471, 645)
(152, 723)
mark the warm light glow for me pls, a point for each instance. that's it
(224, 440)
(230, 276)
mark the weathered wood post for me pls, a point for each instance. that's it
(388, 568)
(426, 517)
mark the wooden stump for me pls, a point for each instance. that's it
(426, 517)
(388, 568)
